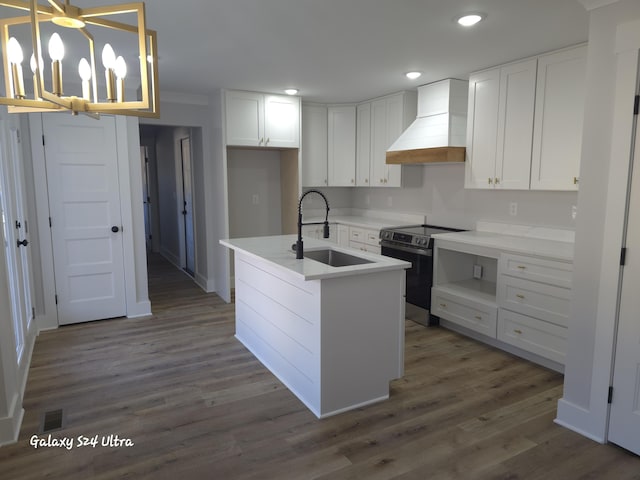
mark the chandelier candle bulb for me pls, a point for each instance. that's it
(109, 62)
(121, 72)
(14, 52)
(56, 52)
(84, 69)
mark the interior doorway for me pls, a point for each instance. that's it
(170, 178)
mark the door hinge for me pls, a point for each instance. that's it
(42, 140)
(49, 222)
(610, 395)
(33, 313)
(56, 298)
(18, 136)
(623, 255)
(636, 105)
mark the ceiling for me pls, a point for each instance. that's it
(345, 50)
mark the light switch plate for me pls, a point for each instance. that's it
(477, 271)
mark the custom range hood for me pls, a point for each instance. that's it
(438, 134)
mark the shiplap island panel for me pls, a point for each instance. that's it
(333, 335)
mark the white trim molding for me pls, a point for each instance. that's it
(593, 4)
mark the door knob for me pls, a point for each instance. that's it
(115, 229)
(23, 243)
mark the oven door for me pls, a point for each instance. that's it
(419, 276)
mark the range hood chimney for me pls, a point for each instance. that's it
(438, 134)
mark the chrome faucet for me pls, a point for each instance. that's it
(298, 247)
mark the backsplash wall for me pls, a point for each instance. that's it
(444, 200)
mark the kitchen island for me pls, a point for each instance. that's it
(334, 335)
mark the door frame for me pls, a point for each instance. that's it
(182, 221)
(130, 181)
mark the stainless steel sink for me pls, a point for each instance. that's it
(334, 258)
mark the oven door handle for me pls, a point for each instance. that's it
(417, 251)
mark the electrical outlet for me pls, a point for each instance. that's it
(256, 199)
(513, 209)
(477, 271)
(574, 211)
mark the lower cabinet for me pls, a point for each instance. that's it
(364, 239)
(317, 231)
(521, 301)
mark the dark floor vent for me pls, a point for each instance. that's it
(52, 421)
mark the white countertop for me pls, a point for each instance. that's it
(277, 251)
(512, 243)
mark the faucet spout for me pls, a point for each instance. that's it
(298, 247)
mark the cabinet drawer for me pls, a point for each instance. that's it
(365, 247)
(372, 237)
(533, 335)
(467, 313)
(357, 234)
(552, 272)
(539, 300)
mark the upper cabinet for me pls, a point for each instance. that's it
(525, 123)
(341, 146)
(557, 133)
(383, 120)
(262, 120)
(314, 146)
(500, 125)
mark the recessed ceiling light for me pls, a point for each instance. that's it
(413, 75)
(291, 91)
(470, 20)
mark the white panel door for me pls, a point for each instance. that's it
(281, 121)
(624, 421)
(559, 112)
(341, 150)
(482, 129)
(84, 202)
(515, 125)
(17, 248)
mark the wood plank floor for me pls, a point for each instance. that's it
(197, 405)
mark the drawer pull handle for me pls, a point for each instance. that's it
(478, 317)
(443, 305)
(521, 267)
(518, 331)
(519, 295)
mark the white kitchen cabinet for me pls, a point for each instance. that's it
(365, 239)
(559, 111)
(363, 145)
(261, 120)
(317, 232)
(343, 235)
(519, 301)
(390, 116)
(341, 146)
(500, 125)
(314, 145)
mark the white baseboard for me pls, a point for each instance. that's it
(10, 425)
(570, 415)
(140, 309)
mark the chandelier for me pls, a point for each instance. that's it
(84, 29)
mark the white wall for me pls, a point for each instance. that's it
(605, 156)
(167, 195)
(445, 202)
(254, 173)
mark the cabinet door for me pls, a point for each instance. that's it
(281, 121)
(395, 127)
(244, 118)
(379, 175)
(314, 145)
(557, 134)
(515, 125)
(342, 146)
(482, 129)
(363, 147)
(343, 235)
